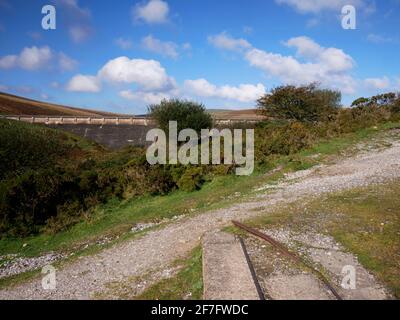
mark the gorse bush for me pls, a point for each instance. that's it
(26, 147)
(50, 180)
(188, 115)
(303, 103)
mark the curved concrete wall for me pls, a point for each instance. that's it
(109, 131)
(111, 135)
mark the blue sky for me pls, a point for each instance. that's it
(123, 55)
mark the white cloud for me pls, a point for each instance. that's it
(187, 46)
(242, 93)
(313, 22)
(124, 44)
(34, 35)
(54, 85)
(33, 58)
(226, 42)
(316, 6)
(8, 62)
(378, 83)
(79, 34)
(152, 12)
(153, 83)
(66, 63)
(329, 66)
(142, 96)
(148, 74)
(379, 39)
(37, 58)
(77, 18)
(84, 83)
(168, 49)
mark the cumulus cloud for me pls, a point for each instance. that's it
(151, 12)
(8, 62)
(148, 74)
(329, 66)
(379, 39)
(33, 58)
(147, 97)
(168, 49)
(79, 33)
(84, 83)
(378, 83)
(242, 93)
(77, 19)
(226, 42)
(151, 80)
(66, 63)
(316, 6)
(123, 43)
(37, 58)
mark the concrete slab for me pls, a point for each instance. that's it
(226, 274)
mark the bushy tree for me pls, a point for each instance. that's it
(301, 103)
(188, 114)
(380, 100)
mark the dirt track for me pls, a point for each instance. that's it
(157, 250)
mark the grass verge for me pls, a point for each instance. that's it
(116, 218)
(366, 221)
(187, 284)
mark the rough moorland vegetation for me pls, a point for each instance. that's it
(50, 180)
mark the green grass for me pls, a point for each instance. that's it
(366, 221)
(186, 284)
(116, 218)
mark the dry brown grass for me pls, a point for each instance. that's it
(14, 105)
(249, 114)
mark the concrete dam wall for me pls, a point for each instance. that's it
(112, 136)
(112, 132)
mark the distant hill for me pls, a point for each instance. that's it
(14, 105)
(247, 114)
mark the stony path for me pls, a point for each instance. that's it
(282, 279)
(156, 250)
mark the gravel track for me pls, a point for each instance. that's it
(88, 276)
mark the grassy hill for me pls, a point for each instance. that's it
(247, 114)
(14, 105)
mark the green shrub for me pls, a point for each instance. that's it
(281, 140)
(188, 115)
(192, 179)
(389, 99)
(304, 103)
(24, 146)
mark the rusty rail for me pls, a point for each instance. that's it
(289, 254)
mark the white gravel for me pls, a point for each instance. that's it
(158, 249)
